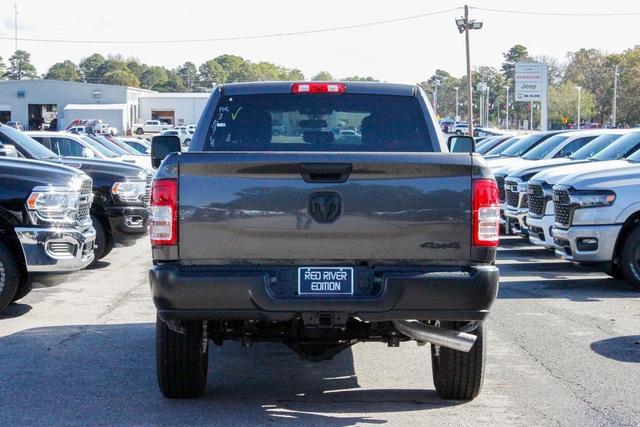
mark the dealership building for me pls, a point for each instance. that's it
(36, 103)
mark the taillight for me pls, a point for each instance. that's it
(163, 217)
(486, 213)
(318, 88)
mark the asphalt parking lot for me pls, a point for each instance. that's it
(564, 348)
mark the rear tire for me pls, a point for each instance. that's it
(24, 288)
(458, 375)
(9, 277)
(630, 257)
(139, 131)
(181, 361)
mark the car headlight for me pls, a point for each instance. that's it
(54, 205)
(129, 191)
(596, 198)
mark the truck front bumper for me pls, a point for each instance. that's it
(517, 219)
(127, 223)
(540, 231)
(56, 250)
(586, 243)
(264, 293)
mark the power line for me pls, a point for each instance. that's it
(574, 14)
(247, 37)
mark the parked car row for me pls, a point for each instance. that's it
(574, 192)
(67, 200)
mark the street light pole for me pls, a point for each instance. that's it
(464, 25)
(457, 115)
(579, 88)
(614, 109)
(507, 103)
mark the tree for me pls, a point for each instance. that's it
(360, 79)
(593, 70)
(20, 66)
(189, 75)
(1, 69)
(121, 77)
(323, 76)
(555, 68)
(517, 53)
(66, 70)
(153, 78)
(90, 66)
(563, 102)
(628, 104)
(211, 74)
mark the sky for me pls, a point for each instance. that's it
(408, 51)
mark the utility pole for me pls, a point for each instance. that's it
(531, 116)
(579, 89)
(15, 26)
(507, 104)
(488, 111)
(614, 109)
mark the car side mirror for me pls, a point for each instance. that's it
(162, 146)
(87, 153)
(461, 144)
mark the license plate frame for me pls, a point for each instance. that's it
(327, 282)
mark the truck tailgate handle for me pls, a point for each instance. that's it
(325, 172)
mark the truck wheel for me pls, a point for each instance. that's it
(25, 286)
(103, 244)
(630, 257)
(9, 277)
(139, 131)
(181, 361)
(187, 142)
(459, 375)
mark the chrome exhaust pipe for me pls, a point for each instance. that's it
(456, 340)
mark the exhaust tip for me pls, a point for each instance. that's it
(455, 340)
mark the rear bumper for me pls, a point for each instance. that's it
(56, 250)
(127, 223)
(570, 245)
(268, 294)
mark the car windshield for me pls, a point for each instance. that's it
(524, 145)
(126, 147)
(26, 143)
(545, 147)
(621, 148)
(594, 147)
(99, 148)
(292, 122)
(504, 146)
(110, 145)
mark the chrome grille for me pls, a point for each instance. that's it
(86, 197)
(562, 207)
(512, 196)
(500, 182)
(61, 248)
(536, 201)
(147, 191)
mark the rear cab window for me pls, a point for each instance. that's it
(318, 122)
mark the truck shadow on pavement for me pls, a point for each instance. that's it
(105, 374)
(622, 349)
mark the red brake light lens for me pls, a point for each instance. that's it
(163, 218)
(318, 88)
(486, 213)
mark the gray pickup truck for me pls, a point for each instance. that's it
(320, 241)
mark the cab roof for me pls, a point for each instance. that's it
(365, 88)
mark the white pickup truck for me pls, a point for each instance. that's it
(150, 126)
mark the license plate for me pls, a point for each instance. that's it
(325, 281)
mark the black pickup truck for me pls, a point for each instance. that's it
(45, 225)
(120, 209)
(352, 222)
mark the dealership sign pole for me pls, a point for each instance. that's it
(532, 85)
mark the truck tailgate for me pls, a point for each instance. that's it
(260, 207)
